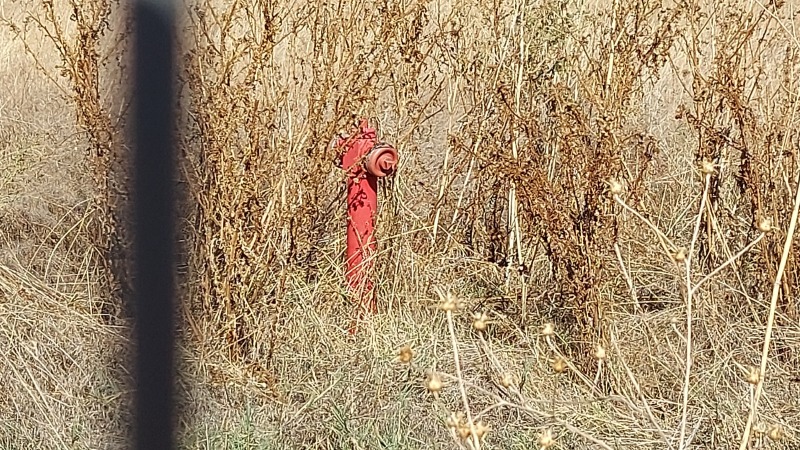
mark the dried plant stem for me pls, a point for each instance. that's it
(443, 183)
(452, 93)
(628, 279)
(514, 232)
(467, 178)
(610, 70)
(666, 243)
(638, 388)
(773, 306)
(522, 406)
(583, 434)
(586, 380)
(571, 428)
(689, 299)
(730, 261)
(691, 290)
(457, 361)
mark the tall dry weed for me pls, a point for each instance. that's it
(270, 84)
(549, 123)
(743, 121)
(89, 59)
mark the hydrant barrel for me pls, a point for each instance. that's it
(364, 161)
(362, 202)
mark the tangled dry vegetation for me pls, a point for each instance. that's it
(589, 242)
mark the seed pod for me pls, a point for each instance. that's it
(406, 354)
(753, 375)
(546, 439)
(479, 321)
(455, 420)
(481, 429)
(615, 187)
(506, 380)
(707, 167)
(764, 225)
(600, 352)
(434, 383)
(775, 432)
(559, 364)
(450, 303)
(680, 255)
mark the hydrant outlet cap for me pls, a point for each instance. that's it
(382, 160)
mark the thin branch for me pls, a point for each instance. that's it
(666, 243)
(475, 441)
(689, 294)
(773, 306)
(728, 262)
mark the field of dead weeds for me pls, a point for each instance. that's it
(589, 242)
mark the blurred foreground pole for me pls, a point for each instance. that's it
(154, 284)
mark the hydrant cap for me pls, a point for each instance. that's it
(382, 160)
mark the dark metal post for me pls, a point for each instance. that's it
(154, 278)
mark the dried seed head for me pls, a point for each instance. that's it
(546, 439)
(463, 431)
(455, 420)
(406, 354)
(559, 364)
(680, 255)
(600, 352)
(479, 321)
(615, 187)
(450, 303)
(548, 329)
(434, 383)
(506, 380)
(481, 429)
(764, 225)
(753, 375)
(775, 432)
(707, 167)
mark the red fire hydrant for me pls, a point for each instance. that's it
(364, 160)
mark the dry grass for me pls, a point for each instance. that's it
(570, 252)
